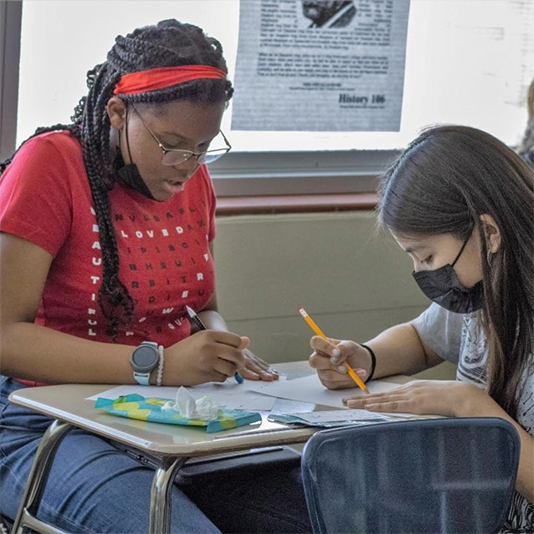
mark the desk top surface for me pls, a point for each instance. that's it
(67, 402)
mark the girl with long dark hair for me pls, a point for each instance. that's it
(461, 204)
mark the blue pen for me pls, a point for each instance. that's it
(200, 325)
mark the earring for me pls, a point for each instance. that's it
(488, 257)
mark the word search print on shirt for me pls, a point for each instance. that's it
(165, 263)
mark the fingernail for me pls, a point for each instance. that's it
(334, 361)
(272, 370)
(361, 372)
(342, 369)
(336, 352)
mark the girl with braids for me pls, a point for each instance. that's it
(461, 204)
(106, 230)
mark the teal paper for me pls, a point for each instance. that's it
(149, 409)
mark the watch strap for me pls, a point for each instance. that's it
(142, 378)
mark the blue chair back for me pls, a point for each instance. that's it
(421, 476)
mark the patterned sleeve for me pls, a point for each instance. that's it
(441, 330)
(35, 201)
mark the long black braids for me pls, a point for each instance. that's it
(169, 43)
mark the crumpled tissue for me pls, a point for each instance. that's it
(188, 406)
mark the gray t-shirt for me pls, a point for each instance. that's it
(460, 338)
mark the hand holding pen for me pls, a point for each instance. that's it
(200, 325)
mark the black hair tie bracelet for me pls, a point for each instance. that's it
(373, 362)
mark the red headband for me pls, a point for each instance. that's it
(154, 79)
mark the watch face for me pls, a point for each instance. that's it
(144, 358)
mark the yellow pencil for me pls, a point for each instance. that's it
(319, 332)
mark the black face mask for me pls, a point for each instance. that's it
(129, 173)
(443, 287)
(130, 176)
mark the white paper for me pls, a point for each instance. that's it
(343, 71)
(328, 416)
(229, 394)
(310, 389)
(331, 416)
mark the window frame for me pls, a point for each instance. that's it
(299, 173)
(10, 33)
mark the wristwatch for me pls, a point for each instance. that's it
(144, 359)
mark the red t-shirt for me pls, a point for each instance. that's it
(165, 261)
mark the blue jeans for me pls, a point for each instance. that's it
(94, 487)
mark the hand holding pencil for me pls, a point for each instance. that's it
(330, 359)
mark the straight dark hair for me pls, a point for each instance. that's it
(441, 184)
(169, 43)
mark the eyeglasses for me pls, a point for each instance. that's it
(176, 156)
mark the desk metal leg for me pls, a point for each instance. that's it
(39, 473)
(160, 502)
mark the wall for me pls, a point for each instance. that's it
(353, 281)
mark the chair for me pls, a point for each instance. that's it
(420, 476)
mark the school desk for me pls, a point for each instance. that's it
(171, 445)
